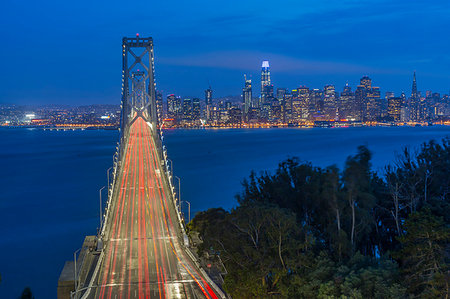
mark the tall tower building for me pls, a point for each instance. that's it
(247, 95)
(208, 101)
(281, 92)
(414, 103)
(366, 82)
(346, 102)
(394, 108)
(367, 100)
(196, 109)
(330, 101)
(187, 110)
(373, 110)
(174, 109)
(304, 97)
(265, 82)
(414, 93)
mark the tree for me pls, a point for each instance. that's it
(27, 294)
(357, 179)
(310, 232)
(424, 256)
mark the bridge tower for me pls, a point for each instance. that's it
(138, 86)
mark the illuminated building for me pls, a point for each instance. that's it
(187, 110)
(329, 101)
(367, 100)
(394, 108)
(316, 104)
(234, 115)
(414, 102)
(281, 92)
(266, 90)
(346, 103)
(373, 104)
(287, 108)
(208, 102)
(303, 97)
(174, 109)
(196, 109)
(247, 96)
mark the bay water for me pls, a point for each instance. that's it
(50, 181)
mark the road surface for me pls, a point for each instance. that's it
(143, 256)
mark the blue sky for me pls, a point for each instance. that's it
(70, 51)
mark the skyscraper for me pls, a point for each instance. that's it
(394, 108)
(316, 104)
(187, 110)
(174, 108)
(329, 102)
(265, 82)
(414, 102)
(196, 109)
(208, 101)
(281, 92)
(346, 102)
(367, 100)
(304, 97)
(247, 96)
(373, 103)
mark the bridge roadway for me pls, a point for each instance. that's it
(143, 257)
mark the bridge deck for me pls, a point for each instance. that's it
(143, 257)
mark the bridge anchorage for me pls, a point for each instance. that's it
(141, 250)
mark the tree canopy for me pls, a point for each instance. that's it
(311, 232)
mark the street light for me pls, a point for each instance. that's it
(179, 190)
(100, 205)
(107, 175)
(189, 209)
(171, 168)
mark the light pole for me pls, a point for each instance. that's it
(107, 175)
(189, 209)
(171, 168)
(75, 266)
(179, 191)
(100, 205)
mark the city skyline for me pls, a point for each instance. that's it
(308, 43)
(268, 106)
(303, 105)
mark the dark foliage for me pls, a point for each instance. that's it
(27, 294)
(310, 232)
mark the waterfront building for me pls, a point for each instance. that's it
(196, 110)
(367, 100)
(346, 103)
(276, 110)
(266, 90)
(281, 92)
(287, 108)
(247, 96)
(209, 103)
(187, 110)
(316, 101)
(329, 101)
(414, 102)
(304, 98)
(234, 115)
(394, 109)
(174, 107)
(373, 104)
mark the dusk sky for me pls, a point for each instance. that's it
(69, 52)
